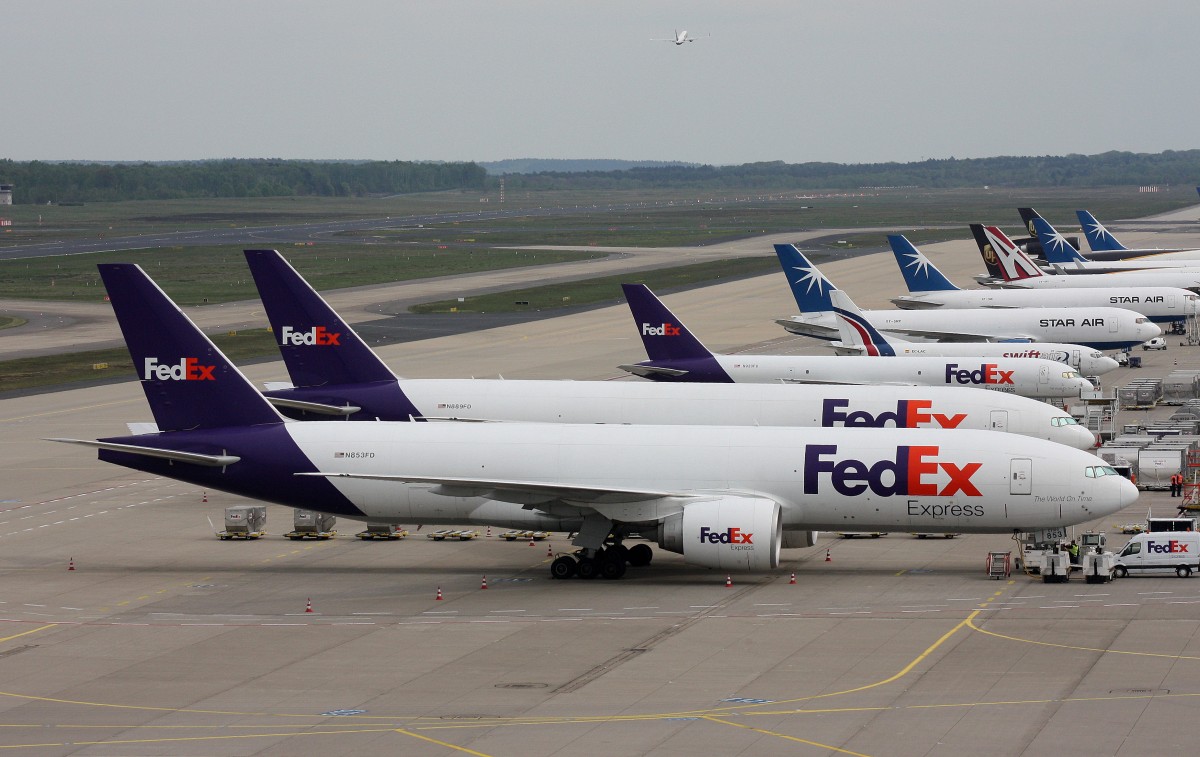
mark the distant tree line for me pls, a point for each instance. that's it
(41, 182)
(1110, 168)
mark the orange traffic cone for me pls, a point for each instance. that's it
(793, 579)
(481, 586)
(204, 497)
(439, 594)
(549, 550)
(531, 541)
(728, 582)
(71, 565)
(489, 531)
(308, 605)
(827, 557)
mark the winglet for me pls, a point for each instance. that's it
(1098, 237)
(1055, 246)
(189, 383)
(856, 330)
(318, 347)
(919, 273)
(809, 286)
(664, 336)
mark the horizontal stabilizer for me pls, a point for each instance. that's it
(195, 458)
(318, 408)
(649, 371)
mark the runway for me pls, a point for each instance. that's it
(164, 640)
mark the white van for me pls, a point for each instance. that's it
(1157, 343)
(1160, 552)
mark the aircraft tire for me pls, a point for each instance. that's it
(588, 569)
(564, 567)
(640, 555)
(612, 568)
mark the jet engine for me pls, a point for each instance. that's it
(729, 533)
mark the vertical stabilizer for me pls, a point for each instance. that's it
(189, 383)
(809, 286)
(318, 347)
(664, 336)
(1055, 246)
(1098, 237)
(856, 330)
(1002, 258)
(920, 275)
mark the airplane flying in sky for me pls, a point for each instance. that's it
(929, 288)
(1104, 328)
(336, 375)
(676, 355)
(1015, 269)
(858, 337)
(725, 497)
(680, 37)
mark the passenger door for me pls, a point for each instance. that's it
(1020, 479)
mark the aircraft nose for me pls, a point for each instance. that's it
(1077, 436)
(1104, 365)
(1129, 493)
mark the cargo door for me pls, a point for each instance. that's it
(1044, 374)
(1170, 302)
(1113, 325)
(1000, 420)
(1020, 479)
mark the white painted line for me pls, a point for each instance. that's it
(575, 609)
(508, 611)
(1123, 604)
(651, 607)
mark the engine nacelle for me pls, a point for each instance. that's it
(729, 533)
(800, 539)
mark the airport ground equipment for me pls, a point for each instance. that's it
(386, 531)
(1055, 566)
(1158, 552)
(1032, 544)
(999, 565)
(515, 534)
(1099, 567)
(948, 535)
(309, 524)
(244, 522)
(452, 533)
(856, 534)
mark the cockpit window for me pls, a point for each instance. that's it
(1071, 375)
(1099, 471)
(1063, 420)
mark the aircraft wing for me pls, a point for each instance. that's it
(314, 407)
(617, 503)
(959, 336)
(845, 383)
(649, 371)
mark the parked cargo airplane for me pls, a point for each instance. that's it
(858, 337)
(724, 497)
(336, 375)
(1065, 259)
(1105, 246)
(1015, 269)
(676, 355)
(1104, 328)
(930, 288)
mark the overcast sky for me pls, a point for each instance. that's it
(794, 80)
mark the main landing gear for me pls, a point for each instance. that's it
(608, 562)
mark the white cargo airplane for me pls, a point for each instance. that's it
(336, 375)
(1013, 268)
(676, 355)
(1104, 328)
(1062, 257)
(859, 337)
(1105, 246)
(929, 288)
(725, 497)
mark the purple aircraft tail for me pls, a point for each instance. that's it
(189, 383)
(664, 337)
(318, 347)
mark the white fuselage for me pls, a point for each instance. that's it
(1087, 361)
(1100, 327)
(652, 403)
(1181, 278)
(1028, 377)
(1159, 304)
(897, 479)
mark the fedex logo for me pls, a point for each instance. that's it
(729, 536)
(319, 336)
(908, 414)
(666, 329)
(1171, 547)
(188, 369)
(987, 373)
(911, 474)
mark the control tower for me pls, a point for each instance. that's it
(6, 191)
